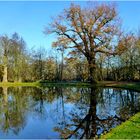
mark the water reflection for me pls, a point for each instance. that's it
(58, 112)
(13, 109)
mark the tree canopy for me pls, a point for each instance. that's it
(89, 31)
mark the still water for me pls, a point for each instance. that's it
(56, 112)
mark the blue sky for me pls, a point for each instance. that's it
(29, 18)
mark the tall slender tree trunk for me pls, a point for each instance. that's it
(101, 71)
(5, 74)
(5, 95)
(62, 65)
(5, 62)
(20, 79)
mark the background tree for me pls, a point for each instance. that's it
(12, 56)
(125, 65)
(38, 63)
(17, 56)
(5, 44)
(61, 45)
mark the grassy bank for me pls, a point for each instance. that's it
(66, 84)
(47, 84)
(14, 84)
(127, 130)
(126, 85)
(131, 128)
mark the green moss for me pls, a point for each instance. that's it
(127, 130)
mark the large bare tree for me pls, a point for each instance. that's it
(91, 30)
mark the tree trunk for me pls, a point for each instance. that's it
(5, 74)
(20, 79)
(92, 70)
(5, 97)
(101, 72)
(5, 63)
(62, 65)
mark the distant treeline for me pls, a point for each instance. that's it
(17, 64)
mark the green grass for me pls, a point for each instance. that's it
(131, 128)
(133, 86)
(66, 84)
(14, 84)
(127, 130)
(47, 84)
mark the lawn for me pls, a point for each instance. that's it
(127, 130)
(14, 84)
(131, 128)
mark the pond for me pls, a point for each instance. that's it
(70, 112)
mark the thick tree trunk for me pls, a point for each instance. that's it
(5, 74)
(92, 70)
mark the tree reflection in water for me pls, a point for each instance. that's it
(12, 117)
(71, 112)
(91, 123)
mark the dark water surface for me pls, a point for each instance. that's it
(58, 112)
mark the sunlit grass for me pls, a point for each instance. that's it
(13, 84)
(47, 84)
(131, 128)
(127, 130)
